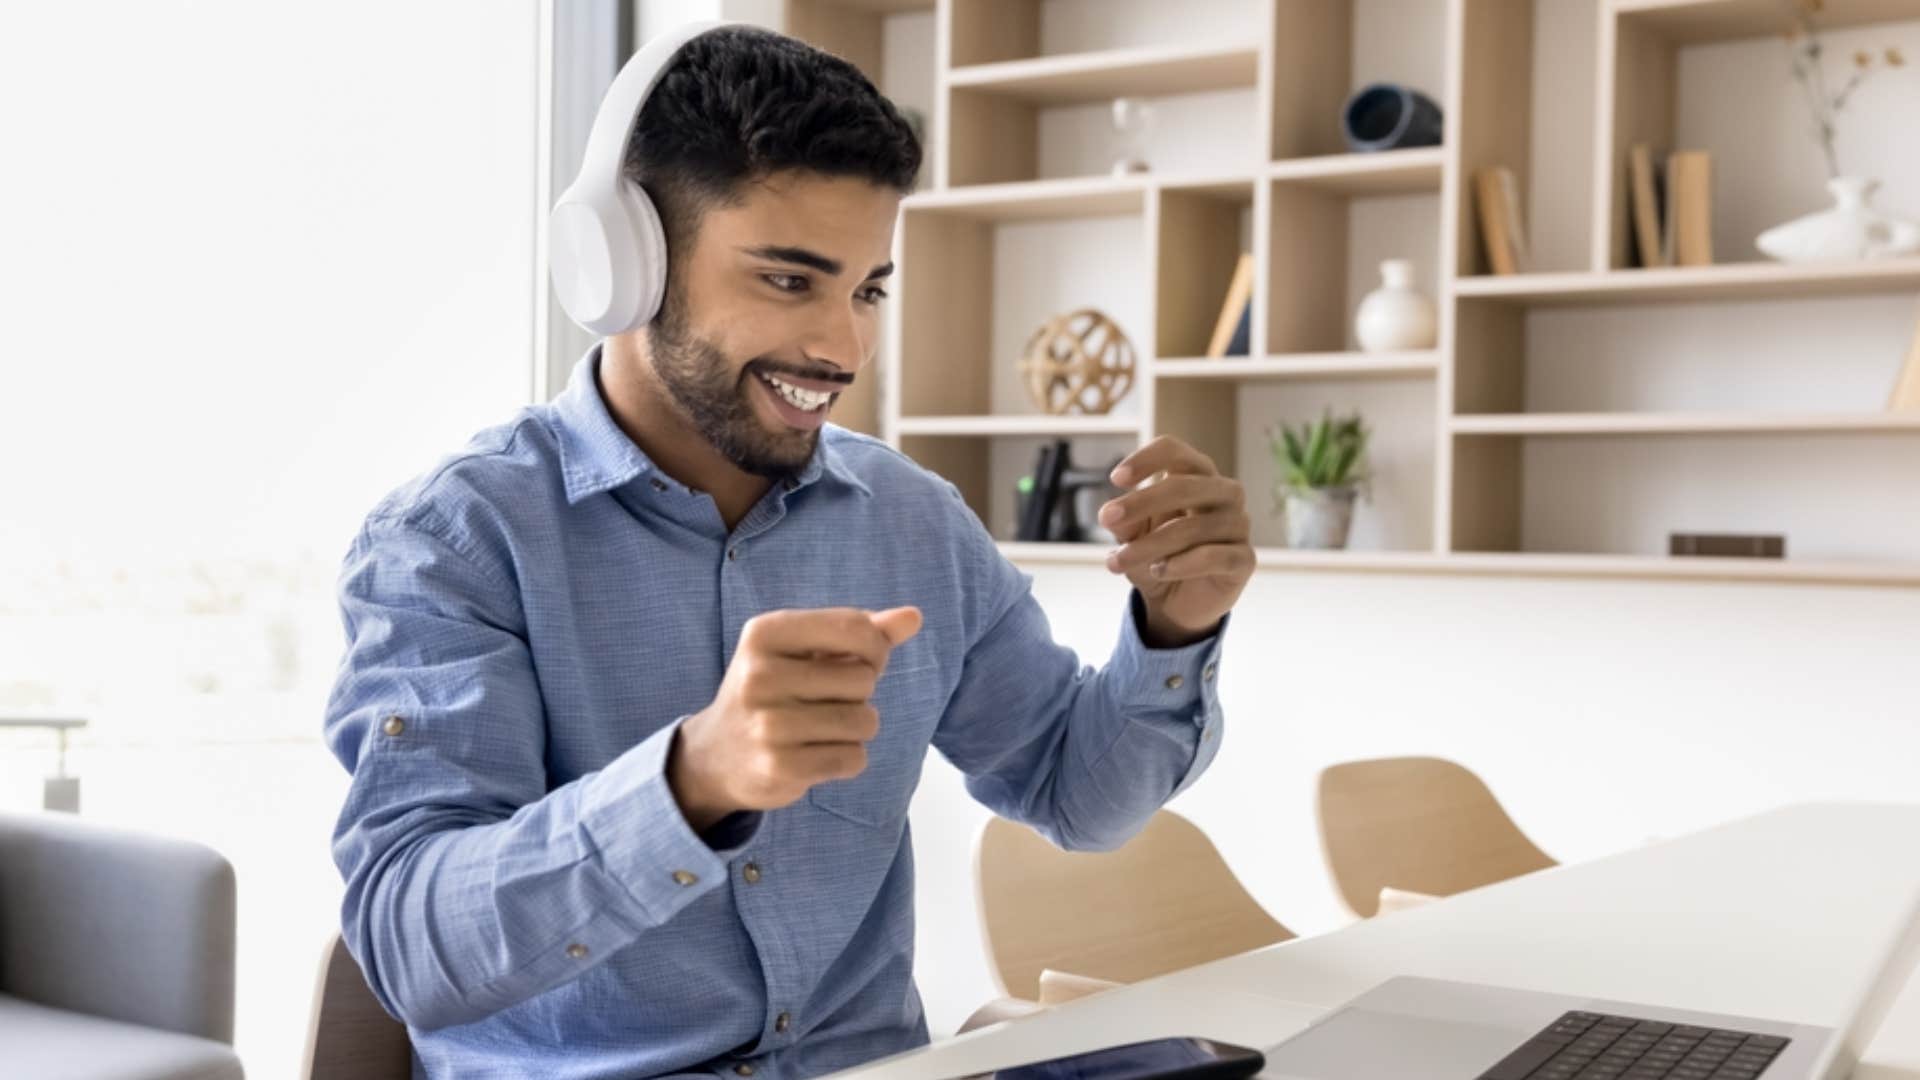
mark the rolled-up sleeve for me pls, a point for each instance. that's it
(470, 886)
(1085, 756)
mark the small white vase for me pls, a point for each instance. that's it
(1852, 230)
(1395, 316)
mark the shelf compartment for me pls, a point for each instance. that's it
(1096, 76)
(1732, 281)
(1198, 231)
(1389, 172)
(1318, 253)
(1337, 365)
(1640, 46)
(1061, 426)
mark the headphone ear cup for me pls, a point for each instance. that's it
(649, 238)
(581, 260)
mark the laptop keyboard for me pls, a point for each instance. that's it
(1595, 1046)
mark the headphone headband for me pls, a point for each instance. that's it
(620, 107)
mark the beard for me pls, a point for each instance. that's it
(714, 402)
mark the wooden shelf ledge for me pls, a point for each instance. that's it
(988, 426)
(1627, 423)
(1692, 22)
(1335, 365)
(1390, 172)
(1734, 281)
(1098, 76)
(1528, 564)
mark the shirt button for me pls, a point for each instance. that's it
(1207, 673)
(1175, 682)
(782, 1023)
(658, 484)
(752, 873)
(394, 725)
(733, 553)
(745, 1068)
(577, 951)
(685, 877)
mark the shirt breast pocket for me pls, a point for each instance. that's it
(909, 702)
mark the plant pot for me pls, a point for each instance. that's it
(1320, 518)
(1851, 230)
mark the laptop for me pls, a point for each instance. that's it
(1411, 1028)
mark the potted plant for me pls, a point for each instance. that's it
(1323, 470)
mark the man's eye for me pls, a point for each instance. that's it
(791, 283)
(874, 294)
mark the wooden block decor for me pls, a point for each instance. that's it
(1078, 362)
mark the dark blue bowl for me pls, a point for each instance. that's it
(1388, 116)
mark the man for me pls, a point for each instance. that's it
(639, 685)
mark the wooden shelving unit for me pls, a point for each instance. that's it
(995, 84)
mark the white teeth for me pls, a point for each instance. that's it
(804, 400)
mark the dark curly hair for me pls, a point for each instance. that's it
(739, 104)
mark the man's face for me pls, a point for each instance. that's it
(773, 312)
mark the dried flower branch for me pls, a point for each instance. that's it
(1807, 54)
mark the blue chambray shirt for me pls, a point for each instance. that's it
(526, 626)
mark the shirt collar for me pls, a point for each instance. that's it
(596, 456)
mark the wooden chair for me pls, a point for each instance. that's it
(1416, 824)
(350, 1036)
(1164, 901)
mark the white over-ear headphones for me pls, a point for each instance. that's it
(606, 250)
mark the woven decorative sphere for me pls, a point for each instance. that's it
(1078, 362)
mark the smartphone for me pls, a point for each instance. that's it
(1188, 1059)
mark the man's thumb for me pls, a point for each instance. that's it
(898, 624)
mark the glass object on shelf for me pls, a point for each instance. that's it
(1132, 122)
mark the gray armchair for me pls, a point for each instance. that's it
(116, 954)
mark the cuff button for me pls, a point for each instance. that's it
(1175, 682)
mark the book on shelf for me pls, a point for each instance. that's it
(1906, 388)
(1670, 205)
(1497, 198)
(1647, 211)
(1728, 545)
(1235, 312)
(1690, 207)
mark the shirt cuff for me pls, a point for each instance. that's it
(641, 838)
(1169, 680)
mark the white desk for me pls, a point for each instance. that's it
(1778, 916)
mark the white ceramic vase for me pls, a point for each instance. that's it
(1851, 230)
(1395, 316)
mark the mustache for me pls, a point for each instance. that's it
(774, 367)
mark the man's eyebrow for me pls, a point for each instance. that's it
(813, 260)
